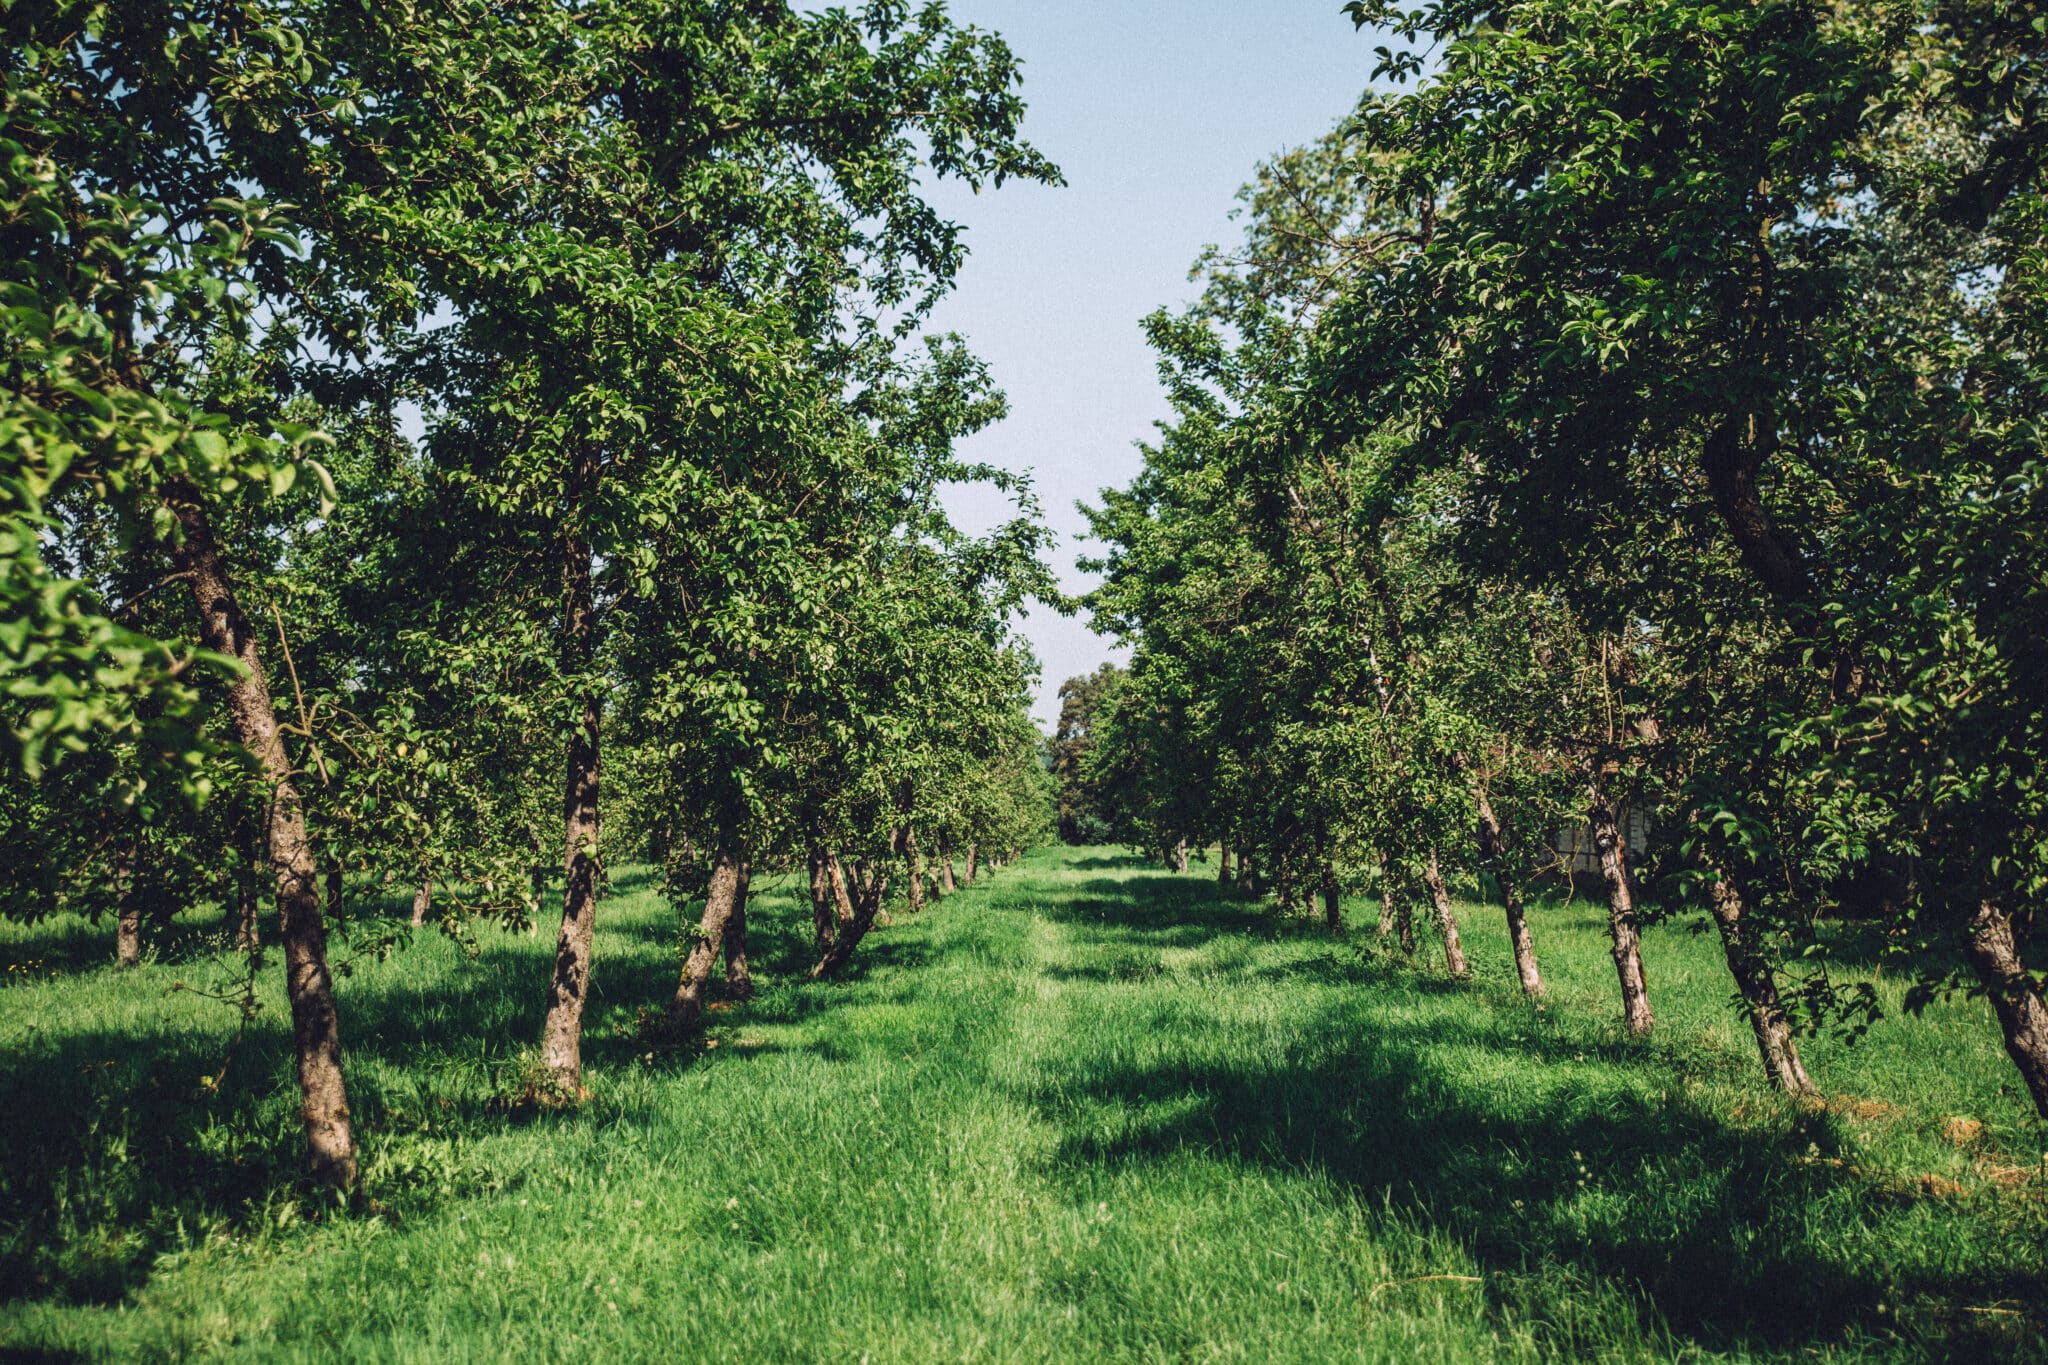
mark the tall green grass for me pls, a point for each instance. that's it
(1088, 1111)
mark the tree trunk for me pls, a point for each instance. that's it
(1180, 856)
(1623, 931)
(1333, 902)
(821, 898)
(422, 899)
(739, 982)
(971, 867)
(1223, 862)
(916, 872)
(337, 886)
(947, 886)
(1386, 895)
(316, 1031)
(855, 929)
(1446, 921)
(687, 1009)
(248, 936)
(839, 891)
(127, 904)
(561, 1046)
(2014, 997)
(1493, 844)
(1759, 989)
(1247, 877)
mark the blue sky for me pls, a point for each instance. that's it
(1156, 112)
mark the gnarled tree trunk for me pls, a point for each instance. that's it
(1624, 933)
(422, 899)
(2022, 1017)
(316, 1031)
(872, 889)
(972, 867)
(1333, 902)
(1446, 921)
(947, 886)
(1180, 856)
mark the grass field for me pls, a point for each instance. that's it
(1088, 1111)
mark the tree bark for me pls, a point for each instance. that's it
(316, 1031)
(839, 891)
(1180, 856)
(127, 904)
(1624, 934)
(1386, 895)
(422, 899)
(2022, 1016)
(561, 1045)
(1759, 989)
(1446, 921)
(822, 920)
(1247, 876)
(855, 929)
(1333, 902)
(916, 872)
(687, 1009)
(739, 982)
(972, 867)
(1493, 844)
(1223, 862)
(947, 886)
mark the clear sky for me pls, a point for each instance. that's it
(1156, 112)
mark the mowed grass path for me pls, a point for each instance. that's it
(1088, 1111)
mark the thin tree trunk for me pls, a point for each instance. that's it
(561, 1045)
(1180, 856)
(1774, 1041)
(127, 904)
(822, 920)
(739, 982)
(1386, 895)
(687, 1009)
(1493, 843)
(916, 872)
(1333, 902)
(316, 1031)
(1624, 933)
(337, 886)
(248, 934)
(1247, 876)
(2022, 1016)
(422, 899)
(1446, 921)
(971, 865)
(947, 886)
(1223, 862)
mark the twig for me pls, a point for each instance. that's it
(305, 721)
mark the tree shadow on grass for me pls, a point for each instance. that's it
(116, 1145)
(1710, 1223)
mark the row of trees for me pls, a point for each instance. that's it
(452, 449)
(1639, 413)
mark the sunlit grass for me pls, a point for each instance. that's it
(1089, 1111)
